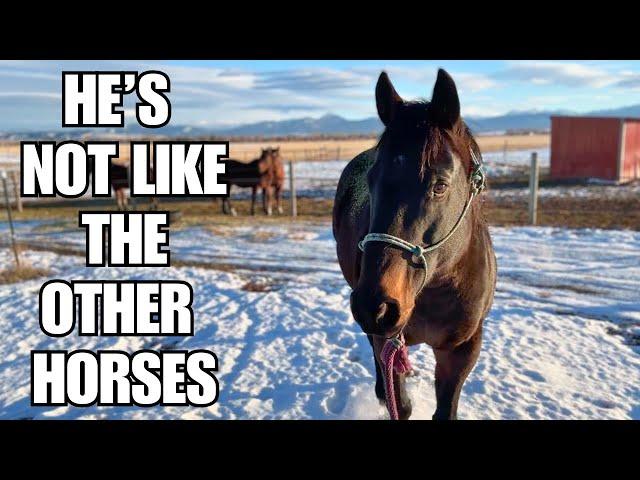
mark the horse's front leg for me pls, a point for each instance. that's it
(119, 199)
(403, 402)
(227, 208)
(452, 368)
(254, 191)
(266, 200)
(278, 199)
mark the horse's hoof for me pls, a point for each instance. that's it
(405, 411)
(234, 213)
(280, 211)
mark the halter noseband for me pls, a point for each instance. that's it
(477, 184)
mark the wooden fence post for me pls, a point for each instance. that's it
(292, 190)
(16, 254)
(16, 189)
(533, 189)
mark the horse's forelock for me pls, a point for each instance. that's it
(415, 123)
(458, 139)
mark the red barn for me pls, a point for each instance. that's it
(595, 147)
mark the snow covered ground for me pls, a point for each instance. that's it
(562, 340)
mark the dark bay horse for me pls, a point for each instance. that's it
(425, 270)
(119, 179)
(260, 173)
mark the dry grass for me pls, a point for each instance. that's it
(330, 149)
(259, 287)
(21, 274)
(491, 143)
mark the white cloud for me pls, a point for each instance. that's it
(426, 75)
(481, 111)
(45, 95)
(630, 81)
(214, 95)
(559, 73)
(473, 82)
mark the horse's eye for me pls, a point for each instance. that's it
(440, 188)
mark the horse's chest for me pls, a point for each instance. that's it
(440, 320)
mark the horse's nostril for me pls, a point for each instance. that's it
(382, 311)
(388, 314)
(376, 314)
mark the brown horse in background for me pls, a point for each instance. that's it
(418, 185)
(278, 177)
(120, 181)
(265, 172)
(255, 174)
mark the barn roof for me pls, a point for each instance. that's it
(595, 117)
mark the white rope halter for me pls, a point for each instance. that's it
(477, 184)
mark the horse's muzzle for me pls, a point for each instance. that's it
(375, 313)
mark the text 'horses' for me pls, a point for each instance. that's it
(425, 271)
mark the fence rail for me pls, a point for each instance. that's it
(321, 154)
(306, 175)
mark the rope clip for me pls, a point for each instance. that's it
(397, 341)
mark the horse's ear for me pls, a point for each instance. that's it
(387, 99)
(445, 103)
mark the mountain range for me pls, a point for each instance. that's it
(334, 124)
(331, 125)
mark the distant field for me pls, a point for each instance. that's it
(325, 149)
(345, 149)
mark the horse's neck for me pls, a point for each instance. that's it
(264, 163)
(476, 261)
(472, 254)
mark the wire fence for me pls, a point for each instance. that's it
(314, 172)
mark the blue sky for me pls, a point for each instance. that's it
(226, 93)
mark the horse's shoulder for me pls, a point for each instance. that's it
(361, 163)
(353, 180)
(352, 193)
(230, 162)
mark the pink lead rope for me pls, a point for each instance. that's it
(395, 357)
